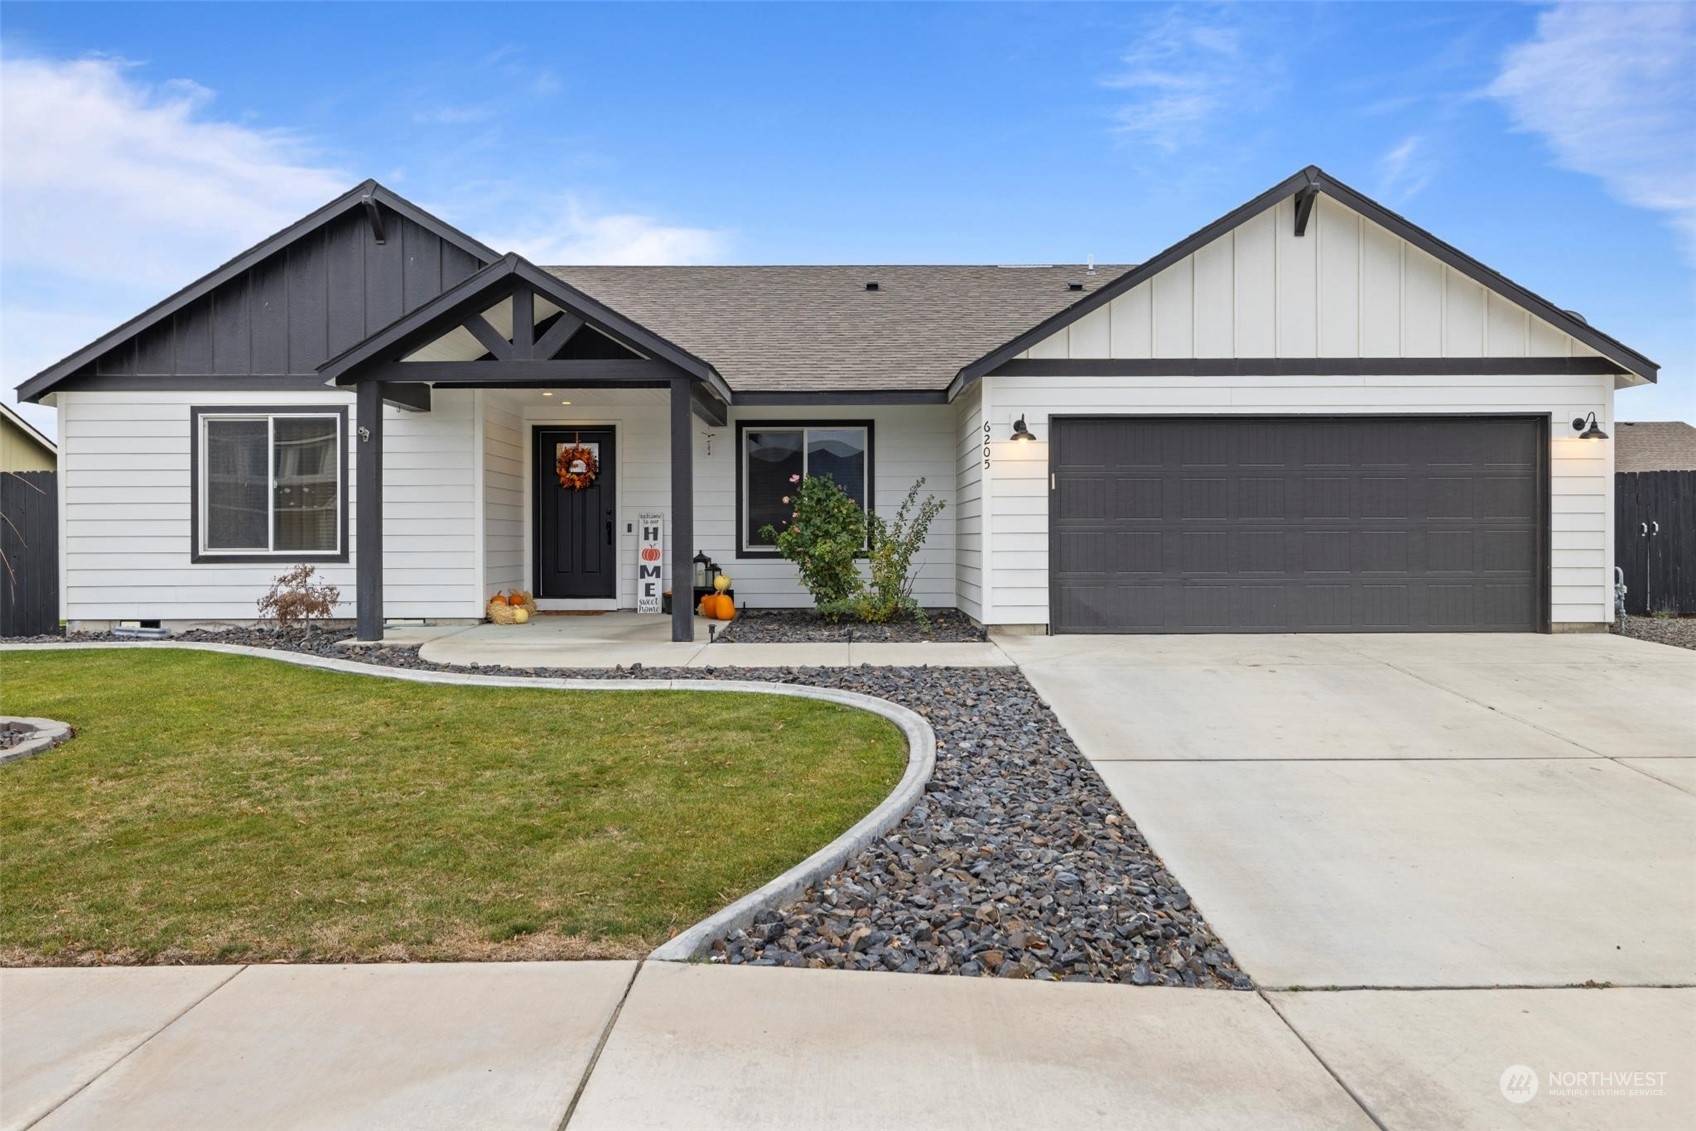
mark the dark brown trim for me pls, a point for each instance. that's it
(195, 413)
(368, 567)
(1309, 367)
(357, 197)
(682, 510)
(709, 408)
(501, 374)
(510, 277)
(194, 383)
(407, 397)
(757, 425)
(1309, 179)
(845, 397)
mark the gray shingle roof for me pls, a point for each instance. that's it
(780, 329)
(1654, 445)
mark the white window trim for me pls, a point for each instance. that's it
(204, 417)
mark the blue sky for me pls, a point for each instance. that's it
(144, 144)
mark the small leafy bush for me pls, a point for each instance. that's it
(297, 597)
(826, 533)
(894, 543)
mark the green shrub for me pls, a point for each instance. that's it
(890, 594)
(826, 533)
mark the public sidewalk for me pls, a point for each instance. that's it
(542, 1045)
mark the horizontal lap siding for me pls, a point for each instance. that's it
(127, 540)
(910, 442)
(503, 495)
(1580, 471)
(968, 503)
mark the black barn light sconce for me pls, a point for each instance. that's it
(1021, 432)
(1594, 432)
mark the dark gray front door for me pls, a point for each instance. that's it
(1314, 524)
(576, 544)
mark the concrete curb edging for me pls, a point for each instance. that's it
(695, 941)
(48, 734)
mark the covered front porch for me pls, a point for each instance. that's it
(516, 347)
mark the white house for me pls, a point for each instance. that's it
(1310, 415)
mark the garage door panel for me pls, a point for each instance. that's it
(1279, 524)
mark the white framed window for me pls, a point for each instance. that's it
(270, 483)
(771, 453)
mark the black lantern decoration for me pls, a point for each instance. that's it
(706, 573)
(1594, 432)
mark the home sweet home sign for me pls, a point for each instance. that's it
(650, 560)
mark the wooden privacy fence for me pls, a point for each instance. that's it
(29, 541)
(1655, 540)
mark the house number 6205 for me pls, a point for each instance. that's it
(986, 444)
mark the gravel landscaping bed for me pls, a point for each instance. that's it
(1016, 863)
(1680, 632)
(804, 626)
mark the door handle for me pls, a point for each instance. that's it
(609, 531)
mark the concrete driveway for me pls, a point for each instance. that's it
(1442, 815)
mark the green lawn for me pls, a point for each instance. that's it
(221, 808)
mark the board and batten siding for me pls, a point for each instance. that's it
(128, 517)
(1348, 288)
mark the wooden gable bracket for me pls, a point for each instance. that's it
(525, 346)
(1304, 207)
(374, 213)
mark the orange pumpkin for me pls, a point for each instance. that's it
(705, 608)
(720, 607)
(498, 599)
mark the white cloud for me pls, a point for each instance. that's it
(567, 232)
(115, 179)
(1612, 89)
(1405, 169)
(1183, 73)
(115, 191)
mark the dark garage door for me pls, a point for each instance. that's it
(1313, 524)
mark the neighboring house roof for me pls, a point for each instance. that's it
(811, 329)
(22, 445)
(1654, 445)
(1305, 184)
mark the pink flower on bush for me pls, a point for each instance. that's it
(794, 530)
(786, 500)
(794, 479)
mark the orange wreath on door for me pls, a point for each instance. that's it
(576, 466)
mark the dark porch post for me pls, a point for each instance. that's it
(369, 540)
(682, 512)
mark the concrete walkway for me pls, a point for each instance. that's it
(624, 638)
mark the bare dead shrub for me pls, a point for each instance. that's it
(297, 597)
